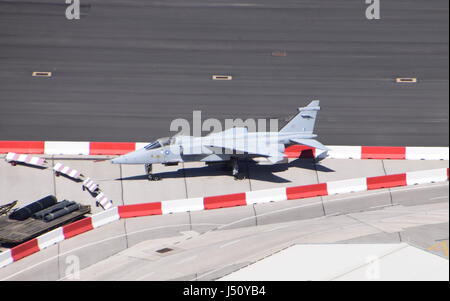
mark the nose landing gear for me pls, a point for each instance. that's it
(150, 176)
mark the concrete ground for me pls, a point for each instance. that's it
(364, 215)
(212, 254)
(127, 184)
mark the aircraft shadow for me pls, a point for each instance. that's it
(265, 173)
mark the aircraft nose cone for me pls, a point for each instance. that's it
(119, 160)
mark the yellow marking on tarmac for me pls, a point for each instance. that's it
(279, 53)
(41, 74)
(222, 77)
(406, 80)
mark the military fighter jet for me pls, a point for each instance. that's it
(231, 145)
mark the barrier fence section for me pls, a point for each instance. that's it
(294, 151)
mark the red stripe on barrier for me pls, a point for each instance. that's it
(25, 249)
(135, 210)
(386, 181)
(78, 227)
(306, 191)
(111, 148)
(22, 147)
(300, 151)
(383, 152)
(222, 201)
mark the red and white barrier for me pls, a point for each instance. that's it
(295, 151)
(13, 157)
(221, 201)
(61, 168)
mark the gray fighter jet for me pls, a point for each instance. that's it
(231, 145)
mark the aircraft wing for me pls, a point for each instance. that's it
(270, 150)
(310, 142)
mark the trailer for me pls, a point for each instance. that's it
(20, 226)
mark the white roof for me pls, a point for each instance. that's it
(346, 262)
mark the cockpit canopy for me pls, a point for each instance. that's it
(159, 143)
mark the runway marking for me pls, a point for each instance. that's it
(145, 276)
(222, 77)
(279, 53)
(275, 229)
(439, 197)
(41, 74)
(187, 259)
(406, 80)
(229, 243)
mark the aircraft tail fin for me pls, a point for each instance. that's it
(305, 119)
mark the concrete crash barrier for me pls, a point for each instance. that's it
(136, 210)
(381, 152)
(224, 201)
(220, 201)
(183, 205)
(78, 227)
(346, 186)
(386, 181)
(27, 159)
(306, 191)
(294, 151)
(22, 147)
(427, 176)
(111, 148)
(63, 169)
(25, 249)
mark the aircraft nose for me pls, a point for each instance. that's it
(119, 160)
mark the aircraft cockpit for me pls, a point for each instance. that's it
(159, 143)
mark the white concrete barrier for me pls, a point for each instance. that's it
(6, 258)
(345, 186)
(427, 153)
(66, 148)
(184, 205)
(50, 238)
(266, 195)
(140, 145)
(105, 217)
(344, 152)
(426, 176)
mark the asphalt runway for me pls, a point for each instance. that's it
(127, 68)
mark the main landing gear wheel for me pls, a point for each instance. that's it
(239, 176)
(150, 176)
